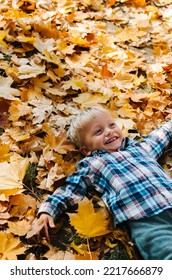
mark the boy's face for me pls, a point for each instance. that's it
(101, 133)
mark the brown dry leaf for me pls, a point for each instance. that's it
(6, 91)
(12, 174)
(59, 143)
(35, 228)
(17, 134)
(19, 109)
(89, 223)
(16, 171)
(20, 203)
(10, 246)
(19, 228)
(4, 218)
(56, 254)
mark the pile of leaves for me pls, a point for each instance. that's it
(57, 58)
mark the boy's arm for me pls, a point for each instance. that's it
(74, 189)
(158, 140)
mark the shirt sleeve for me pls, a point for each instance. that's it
(74, 189)
(158, 140)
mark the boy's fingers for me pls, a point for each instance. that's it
(46, 232)
(51, 223)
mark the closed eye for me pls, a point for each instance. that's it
(112, 125)
(98, 132)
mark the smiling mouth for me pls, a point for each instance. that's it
(111, 140)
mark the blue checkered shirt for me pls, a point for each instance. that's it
(130, 181)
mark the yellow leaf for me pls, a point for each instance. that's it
(17, 133)
(88, 99)
(10, 246)
(89, 223)
(5, 194)
(2, 36)
(4, 152)
(81, 249)
(12, 174)
(16, 14)
(110, 244)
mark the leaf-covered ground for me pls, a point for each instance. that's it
(57, 58)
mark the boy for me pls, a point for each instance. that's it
(128, 177)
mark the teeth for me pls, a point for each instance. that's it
(111, 140)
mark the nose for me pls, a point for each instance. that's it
(107, 131)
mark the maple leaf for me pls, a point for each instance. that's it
(35, 228)
(17, 133)
(2, 37)
(89, 223)
(4, 152)
(31, 70)
(6, 91)
(19, 228)
(88, 99)
(18, 109)
(10, 246)
(12, 174)
(56, 254)
(59, 143)
(43, 109)
(20, 204)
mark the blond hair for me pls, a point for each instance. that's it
(85, 116)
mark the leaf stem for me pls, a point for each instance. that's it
(89, 251)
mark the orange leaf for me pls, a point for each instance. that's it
(87, 256)
(105, 72)
(139, 3)
(111, 2)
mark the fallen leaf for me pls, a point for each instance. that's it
(10, 246)
(19, 228)
(59, 143)
(6, 91)
(4, 152)
(89, 223)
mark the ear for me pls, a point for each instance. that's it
(85, 151)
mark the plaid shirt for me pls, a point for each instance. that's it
(130, 181)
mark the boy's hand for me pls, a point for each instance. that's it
(47, 221)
